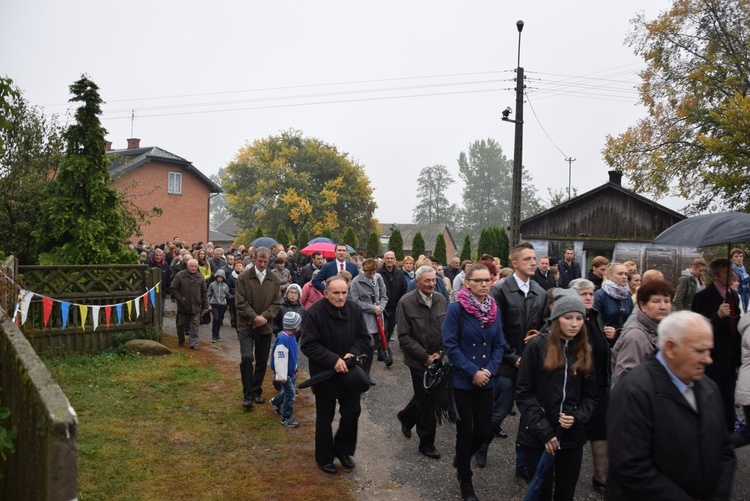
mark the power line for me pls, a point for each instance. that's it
(542, 126)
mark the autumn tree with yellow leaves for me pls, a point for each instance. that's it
(295, 181)
(695, 140)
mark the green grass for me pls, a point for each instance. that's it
(173, 428)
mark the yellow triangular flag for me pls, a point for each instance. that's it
(84, 313)
(130, 310)
(157, 286)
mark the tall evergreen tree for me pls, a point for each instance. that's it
(396, 244)
(504, 247)
(350, 238)
(373, 245)
(327, 233)
(83, 220)
(417, 245)
(258, 233)
(304, 237)
(282, 236)
(440, 252)
(485, 243)
(466, 249)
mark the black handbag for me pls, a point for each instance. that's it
(206, 318)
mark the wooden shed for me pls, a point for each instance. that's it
(613, 222)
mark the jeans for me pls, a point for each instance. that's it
(217, 312)
(563, 475)
(286, 397)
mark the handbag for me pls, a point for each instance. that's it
(206, 318)
(438, 384)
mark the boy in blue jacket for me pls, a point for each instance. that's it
(284, 366)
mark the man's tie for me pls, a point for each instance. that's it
(342, 267)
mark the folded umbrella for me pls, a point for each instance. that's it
(534, 490)
(328, 373)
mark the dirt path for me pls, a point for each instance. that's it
(389, 467)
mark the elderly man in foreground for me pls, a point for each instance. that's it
(667, 438)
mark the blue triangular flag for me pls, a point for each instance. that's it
(64, 307)
(118, 310)
(151, 296)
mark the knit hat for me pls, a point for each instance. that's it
(293, 287)
(566, 300)
(291, 320)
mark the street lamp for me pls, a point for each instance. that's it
(515, 205)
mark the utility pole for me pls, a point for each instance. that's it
(515, 209)
(570, 166)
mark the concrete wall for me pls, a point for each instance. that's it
(45, 462)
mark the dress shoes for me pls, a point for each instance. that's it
(501, 433)
(430, 452)
(248, 404)
(258, 399)
(328, 468)
(406, 430)
(346, 461)
(481, 455)
(523, 473)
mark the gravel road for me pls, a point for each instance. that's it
(389, 467)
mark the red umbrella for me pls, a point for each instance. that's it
(327, 250)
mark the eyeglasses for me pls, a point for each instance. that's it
(482, 281)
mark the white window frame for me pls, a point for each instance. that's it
(174, 183)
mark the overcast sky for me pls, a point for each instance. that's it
(399, 85)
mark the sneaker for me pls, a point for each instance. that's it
(290, 423)
(276, 408)
(218, 340)
(214, 340)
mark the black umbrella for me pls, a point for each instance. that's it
(328, 373)
(721, 228)
(264, 242)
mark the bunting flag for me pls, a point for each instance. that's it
(137, 308)
(130, 310)
(153, 297)
(95, 315)
(26, 297)
(157, 287)
(84, 313)
(107, 314)
(145, 302)
(64, 308)
(15, 313)
(118, 310)
(46, 309)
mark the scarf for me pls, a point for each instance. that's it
(485, 312)
(615, 291)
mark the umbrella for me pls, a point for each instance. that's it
(706, 230)
(383, 339)
(534, 490)
(264, 242)
(318, 240)
(328, 373)
(327, 249)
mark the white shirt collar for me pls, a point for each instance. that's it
(524, 286)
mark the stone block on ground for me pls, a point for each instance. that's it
(146, 347)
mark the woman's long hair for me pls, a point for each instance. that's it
(555, 358)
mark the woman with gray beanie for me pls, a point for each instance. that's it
(556, 395)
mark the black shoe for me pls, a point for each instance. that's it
(406, 430)
(328, 468)
(513, 412)
(380, 359)
(258, 399)
(346, 461)
(598, 486)
(481, 455)
(430, 452)
(501, 433)
(467, 491)
(388, 363)
(523, 473)
(248, 404)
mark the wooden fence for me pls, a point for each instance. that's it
(89, 285)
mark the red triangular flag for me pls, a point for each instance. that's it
(145, 302)
(46, 309)
(107, 314)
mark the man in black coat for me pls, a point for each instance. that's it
(543, 276)
(523, 307)
(665, 422)
(720, 305)
(334, 330)
(306, 272)
(569, 268)
(395, 288)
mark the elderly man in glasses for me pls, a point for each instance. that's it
(523, 307)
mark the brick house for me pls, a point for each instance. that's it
(156, 177)
(429, 233)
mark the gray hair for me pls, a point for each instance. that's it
(422, 270)
(580, 284)
(677, 324)
(262, 252)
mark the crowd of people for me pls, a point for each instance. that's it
(647, 372)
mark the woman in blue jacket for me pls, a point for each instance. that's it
(473, 340)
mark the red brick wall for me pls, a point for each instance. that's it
(184, 215)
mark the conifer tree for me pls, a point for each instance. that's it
(396, 244)
(373, 245)
(440, 251)
(466, 249)
(417, 246)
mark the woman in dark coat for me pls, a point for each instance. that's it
(613, 300)
(597, 271)
(473, 340)
(556, 395)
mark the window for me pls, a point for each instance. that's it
(175, 183)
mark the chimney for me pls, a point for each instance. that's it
(615, 177)
(108, 145)
(134, 143)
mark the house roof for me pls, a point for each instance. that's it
(429, 233)
(217, 236)
(228, 227)
(596, 191)
(126, 160)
